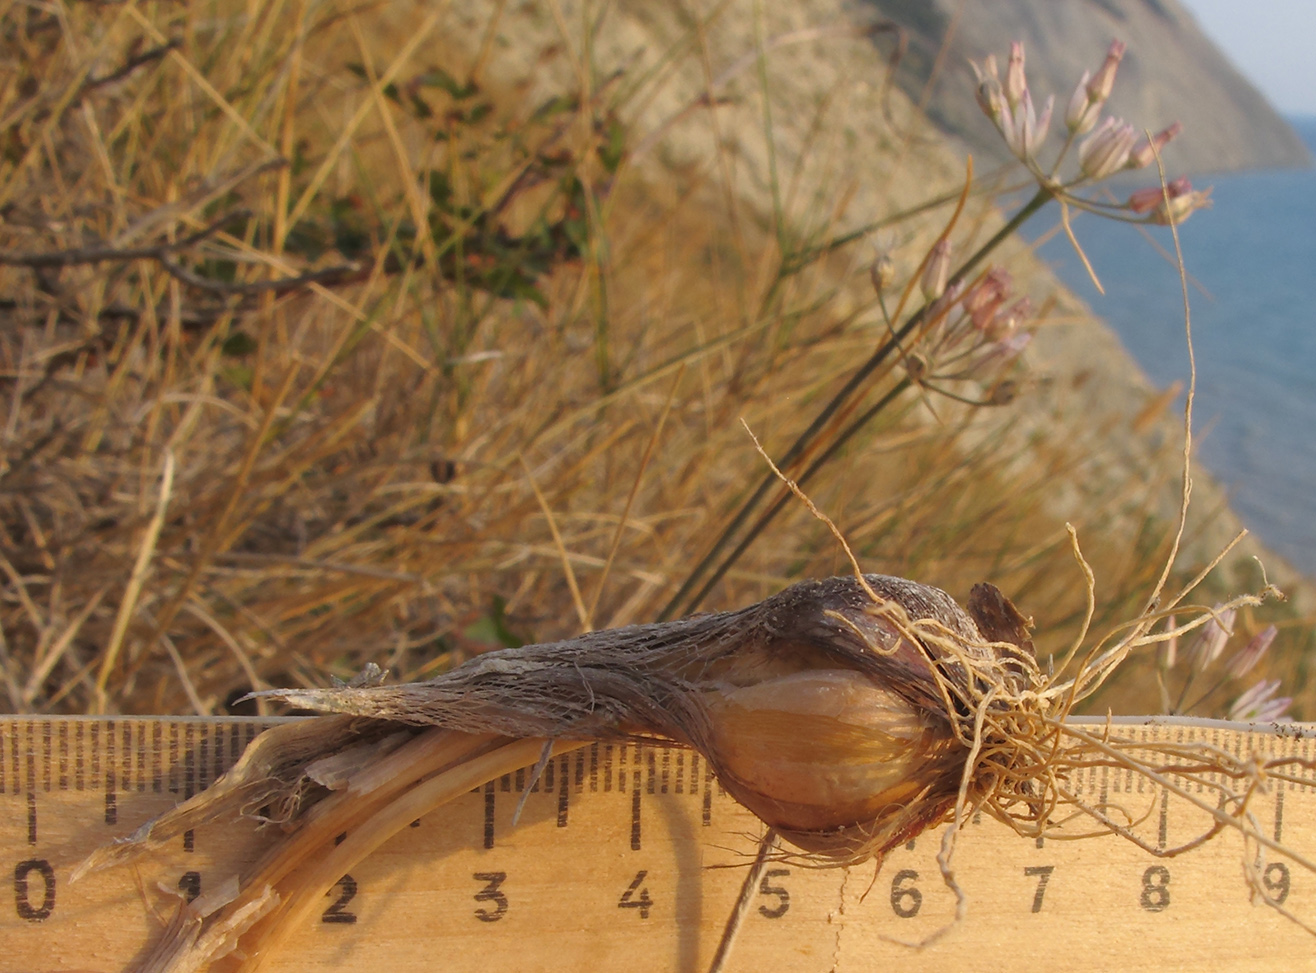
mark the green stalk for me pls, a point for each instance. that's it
(679, 600)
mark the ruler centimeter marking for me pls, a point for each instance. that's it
(620, 859)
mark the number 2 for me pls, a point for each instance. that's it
(337, 913)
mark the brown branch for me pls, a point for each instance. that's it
(131, 65)
(329, 275)
(94, 255)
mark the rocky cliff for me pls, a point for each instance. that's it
(1172, 71)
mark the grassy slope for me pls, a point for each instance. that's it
(510, 407)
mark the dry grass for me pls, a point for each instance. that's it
(446, 369)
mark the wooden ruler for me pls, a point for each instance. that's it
(618, 863)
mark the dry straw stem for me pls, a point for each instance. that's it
(849, 714)
(347, 453)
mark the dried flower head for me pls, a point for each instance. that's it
(882, 271)
(989, 95)
(1176, 201)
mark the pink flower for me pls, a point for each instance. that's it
(1147, 199)
(999, 353)
(1082, 112)
(1006, 322)
(1100, 86)
(1016, 86)
(1022, 129)
(1106, 150)
(1169, 649)
(937, 271)
(1211, 642)
(1177, 202)
(1145, 152)
(986, 298)
(1247, 657)
(1260, 705)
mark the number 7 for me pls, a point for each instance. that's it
(1043, 875)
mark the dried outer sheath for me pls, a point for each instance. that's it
(822, 710)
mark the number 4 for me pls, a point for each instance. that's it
(631, 900)
(1043, 875)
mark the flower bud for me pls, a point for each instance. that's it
(1007, 322)
(882, 272)
(1247, 657)
(1211, 642)
(1106, 150)
(916, 367)
(989, 95)
(1149, 197)
(1016, 86)
(937, 271)
(1167, 652)
(1145, 152)
(987, 296)
(1100, 86)
(1082, 112)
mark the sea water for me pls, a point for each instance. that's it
(1254, 333)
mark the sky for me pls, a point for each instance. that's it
(1273, 43)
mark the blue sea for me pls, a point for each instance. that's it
(1254, 335)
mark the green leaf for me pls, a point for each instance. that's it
(238, 345)
(436, 77)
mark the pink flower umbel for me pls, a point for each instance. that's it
(1104, 147)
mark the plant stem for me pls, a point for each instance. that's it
(679, 600)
